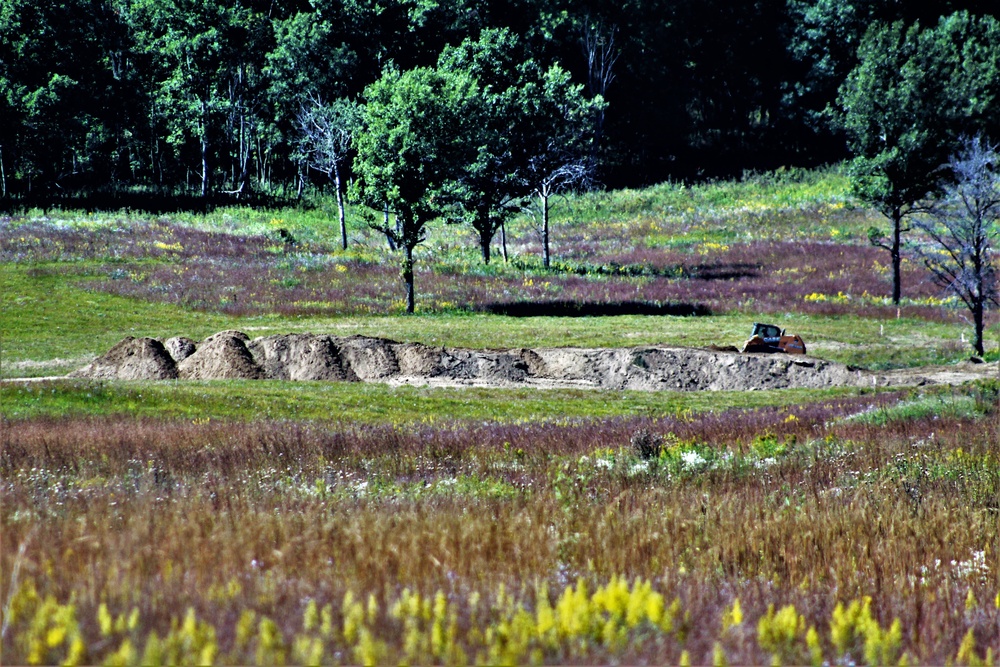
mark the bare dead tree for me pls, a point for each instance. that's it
(556, 179)
(325, 140)
(601, 53)
(962, 231)
(241, 124)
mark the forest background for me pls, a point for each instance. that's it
(166, 97)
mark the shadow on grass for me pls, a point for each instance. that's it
(590, 309)
(152, 202)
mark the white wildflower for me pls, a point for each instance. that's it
(607, 464)
(692, 460)
(639, 468)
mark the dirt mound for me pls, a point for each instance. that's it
(132, 359)
(223, 356)
(232, 355)
(417, 360)
(180, 348)
(370, 358)
(301, 357)
(228, 333)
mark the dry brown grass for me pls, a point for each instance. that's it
(227, 517)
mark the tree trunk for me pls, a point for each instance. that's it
(484, 244)
(204, 167)
(977, 317)
(408, 277)
(503, 240)
(204, 150)
(245, 151)
(3, 175)
(897, 258)
(545, 229)
(340, 207)
(385, 226)
(601, 54)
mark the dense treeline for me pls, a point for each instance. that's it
(207, 96)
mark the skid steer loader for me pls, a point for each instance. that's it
(769, 338)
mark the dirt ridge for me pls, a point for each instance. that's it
(311, 357)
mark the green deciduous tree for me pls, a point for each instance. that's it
(58, 92)
(912, 94)
(534, 134)
(204, 61)
(411, 149)
(490, 186)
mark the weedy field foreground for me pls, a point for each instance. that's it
(855, 530)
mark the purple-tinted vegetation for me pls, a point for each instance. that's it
(181, 445)
(157, 239)
(164, 515)
(243, 275)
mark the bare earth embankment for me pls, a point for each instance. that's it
(233, 355)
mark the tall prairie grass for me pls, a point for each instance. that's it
(507, 542)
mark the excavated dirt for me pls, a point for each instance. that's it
(180, 348)
(132, 359)
(223, 356)
(301, 357)
(232, 355)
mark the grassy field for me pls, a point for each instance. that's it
(787, 247)
(54, 324)
(334, 523)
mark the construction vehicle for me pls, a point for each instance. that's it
(769, 338)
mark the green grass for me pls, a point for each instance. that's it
(370, 403)
(810, 203)
(814, 204)
(971, 403)
(50, 326)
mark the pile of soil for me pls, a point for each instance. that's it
(222, 356)
(132, 359)
(233, 355)
(301, 357)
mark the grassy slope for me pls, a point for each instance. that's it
(51, 325)
(46, 318)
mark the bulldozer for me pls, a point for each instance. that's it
(769, 338)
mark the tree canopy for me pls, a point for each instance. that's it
(914, 92)
(418, 131)
(534, 121)
(203, 97)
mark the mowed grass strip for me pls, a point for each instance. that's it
(372, 403)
